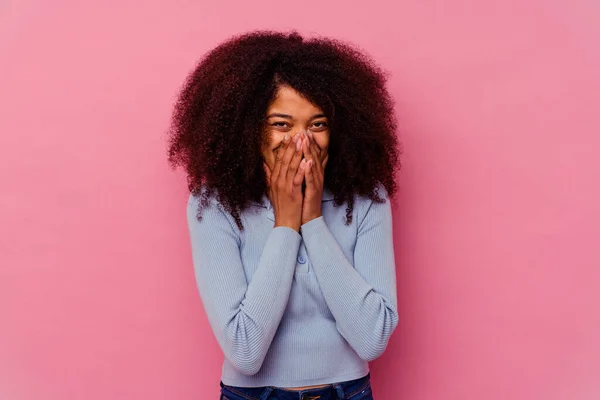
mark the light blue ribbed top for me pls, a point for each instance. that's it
(293, 309)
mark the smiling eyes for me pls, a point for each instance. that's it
(318, 126)
(287, 126)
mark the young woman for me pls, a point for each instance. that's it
(290, 151)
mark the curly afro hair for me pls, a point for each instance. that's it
(216, 132)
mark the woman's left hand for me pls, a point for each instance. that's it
(314, 177)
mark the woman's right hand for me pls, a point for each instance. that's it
(285, 182)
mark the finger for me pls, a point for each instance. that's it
(278, 157)
(314, 151)
(299, 177)
(313, 141)
(306, 149)
(325, 161)
(310, 155)
(296, 158)
(267, 173)
(286, 160)
(308, 174)
(282, 153)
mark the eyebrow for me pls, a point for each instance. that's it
(290, 117)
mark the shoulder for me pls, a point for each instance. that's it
(201, 195)
(366, 201)
(203, 202)
(365, 206)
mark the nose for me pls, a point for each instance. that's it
(300, 131)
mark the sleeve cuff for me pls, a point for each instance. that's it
(287, 234)
(312, 226)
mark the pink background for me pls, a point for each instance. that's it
(497, 230)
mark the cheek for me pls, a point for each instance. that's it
(269, 157)
(267, 150)
(323, 143)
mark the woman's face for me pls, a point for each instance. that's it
(291, 113)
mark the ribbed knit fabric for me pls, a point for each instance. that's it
(295, 309)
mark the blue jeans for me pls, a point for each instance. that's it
(357, 389)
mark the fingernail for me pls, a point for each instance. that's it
(286, 138)
(298, 143)
(309, 163)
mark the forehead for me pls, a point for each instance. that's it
(289, 101)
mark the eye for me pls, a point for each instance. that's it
(280, 124)
(320, 125)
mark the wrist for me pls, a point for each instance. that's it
(310, 218)
(313, 226)
(291, 225)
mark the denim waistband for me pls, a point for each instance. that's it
(338, 390)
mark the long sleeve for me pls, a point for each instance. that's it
(362, 297)
(244, 317)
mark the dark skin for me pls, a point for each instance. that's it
(348, 96)
(295, 160)
(245, 74)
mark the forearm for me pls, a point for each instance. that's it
(245, 316)
(365, 317)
